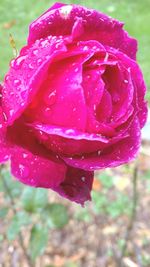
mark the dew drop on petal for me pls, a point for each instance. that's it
(83, 179)
(17, 82)
(24, 171)
(18, 62)
(65, 11)
(125, 81)
(69, 131)
(39, 61)
(35, 52)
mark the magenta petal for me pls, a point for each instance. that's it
(96, 26)
(61, 100)
(35, 170)
(77, 185)
(4, 144)
(115, 155)
(138, 83)
(26, 74)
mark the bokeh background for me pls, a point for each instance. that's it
(39, 228)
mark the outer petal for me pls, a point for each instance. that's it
(35, 170)
(77, 185)
(96, 26)
(26, 74)
(115, 155)
(34, 165)
(4, 144)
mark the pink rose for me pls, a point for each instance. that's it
(72, 101)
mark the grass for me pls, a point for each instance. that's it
(135, 14)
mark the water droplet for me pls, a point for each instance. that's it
(18, 62)
(106, 57)
(44, 43)
(85, 48)
(65, 11)
(16, 82)
(11, 112)
(24, 171)
(99, 152)
(35, 52)
(39, 61)
(25, 155)
(69, 131)
(12, 63)
(76, 70)
(125, 81)
(50, 98)
(31, 67)
(83, 179)
(7, 77)
(4, 115)
(58, 45)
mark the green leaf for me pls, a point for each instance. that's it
(57, 215)
(18, 221)
(34, 199)
(38, 241)
(3, 212)
(11, 185)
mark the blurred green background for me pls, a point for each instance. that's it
(37, 227)
(16, 15)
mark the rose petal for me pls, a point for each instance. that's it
(4, 144)
(115, 155)
(77, 185)
(26, 74)
(36, 171)
(97, 26)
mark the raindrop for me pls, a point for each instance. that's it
(65, 11)
(50, 98)
(76, 70)
(17, 82)
(106, 57)
(4, 115)
(58, 45)
(85, 48)
(35, 52)
(39, 61)
(11, 112)
(18, 62)
(25, 155)
(99, 152)
(24, 171)
(125, 81)
(7, 77)
(12, 63)
(69, 131)
(31, 67)
(83, 179)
